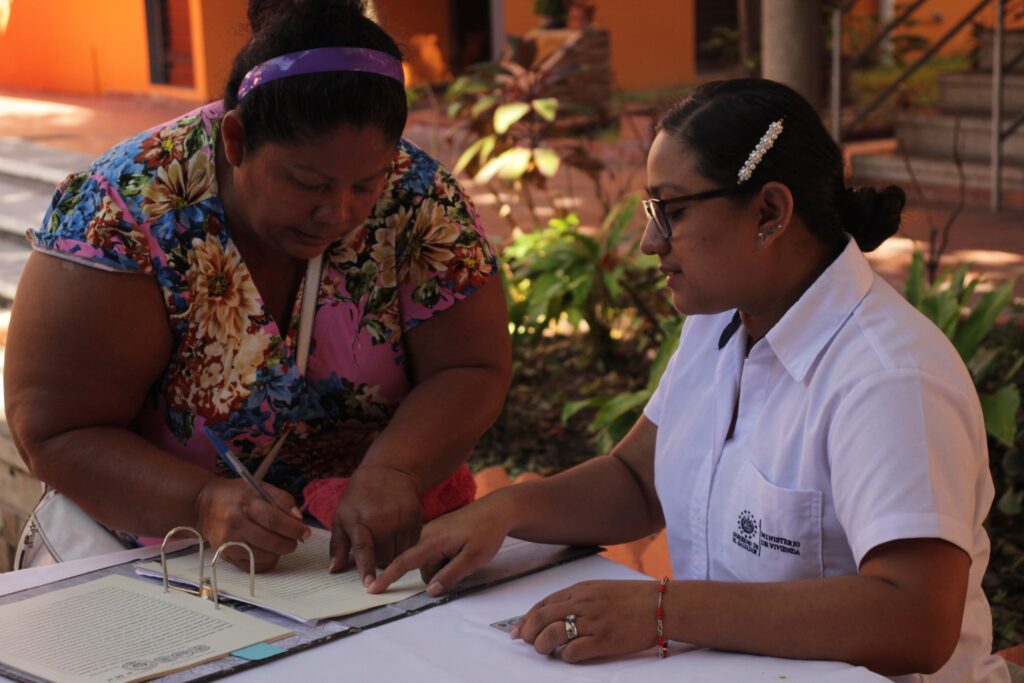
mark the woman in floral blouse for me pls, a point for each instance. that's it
(164, 298)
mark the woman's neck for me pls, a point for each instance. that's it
(794, 275)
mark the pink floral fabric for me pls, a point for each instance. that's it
(150, 206)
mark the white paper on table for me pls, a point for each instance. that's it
(300, 587)
(121, 629)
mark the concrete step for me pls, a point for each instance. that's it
(23, 203)
(938, 177)
(1013, 44)
(970, 92)
(29, 172)
(932, 135)
(31, 161)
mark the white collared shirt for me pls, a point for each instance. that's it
(857, 425)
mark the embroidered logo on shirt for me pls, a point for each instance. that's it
(752, 537)
(749, 530)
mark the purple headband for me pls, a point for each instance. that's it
(321, 60)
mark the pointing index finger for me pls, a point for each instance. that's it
(412, 558)
(363, 552)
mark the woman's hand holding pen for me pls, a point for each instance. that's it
(229, 510)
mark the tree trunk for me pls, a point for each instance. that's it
(793, 46)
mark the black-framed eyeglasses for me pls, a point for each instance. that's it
(657, 209)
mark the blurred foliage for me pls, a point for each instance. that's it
(921, 89)
(506, 116)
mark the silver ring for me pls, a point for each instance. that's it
(570, 627)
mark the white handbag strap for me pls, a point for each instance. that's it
(310, 294)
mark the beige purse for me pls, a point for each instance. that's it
(59, 531)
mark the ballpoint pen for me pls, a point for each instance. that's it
(232, 461)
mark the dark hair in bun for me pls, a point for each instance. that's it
(871, 216)
(303, 108)
(721, 122)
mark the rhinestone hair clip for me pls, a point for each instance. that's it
(763, 145)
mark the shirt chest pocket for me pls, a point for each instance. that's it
(763, 532)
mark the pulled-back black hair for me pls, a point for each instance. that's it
(722, 121)
(302, 108)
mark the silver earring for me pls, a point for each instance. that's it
(763, 235)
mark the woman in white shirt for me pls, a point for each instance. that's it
(815, 448)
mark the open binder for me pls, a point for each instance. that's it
(516, 559)
(115, 628)
(299, 587)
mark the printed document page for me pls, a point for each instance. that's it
(121, 629)
(299, 587)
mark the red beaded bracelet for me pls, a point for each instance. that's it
(662, 641)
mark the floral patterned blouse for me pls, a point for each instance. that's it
(150, 207)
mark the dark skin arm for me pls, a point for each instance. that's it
(901, 614)
(457, 544)
(83, 350)
(461, 364)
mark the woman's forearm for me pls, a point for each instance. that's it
(868, 621)
(596, 502)
(438, 423)
(120, 479)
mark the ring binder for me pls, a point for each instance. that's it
(213, 570)
(202, 565)
(206, 590)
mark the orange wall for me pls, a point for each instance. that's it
(76, 47)
(222, 32)
(519, 17)
(654, 52)
(416, 25)
(101, 46)
(938, 16)
(933, 20)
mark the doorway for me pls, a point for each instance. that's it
(470, 33)
(170, 43)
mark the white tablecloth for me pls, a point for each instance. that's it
(455, 642)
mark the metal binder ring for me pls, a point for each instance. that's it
(252, 570)
(163, 554)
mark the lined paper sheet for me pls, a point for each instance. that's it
(121, 629)
(299, 587)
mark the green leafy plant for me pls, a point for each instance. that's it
(506, 119)
(617, 413)
(994, 365)
(560, 273)
(512, 131)
(563, 273)
(556, 11)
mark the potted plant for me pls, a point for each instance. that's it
(581, 14)
(553, 13)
